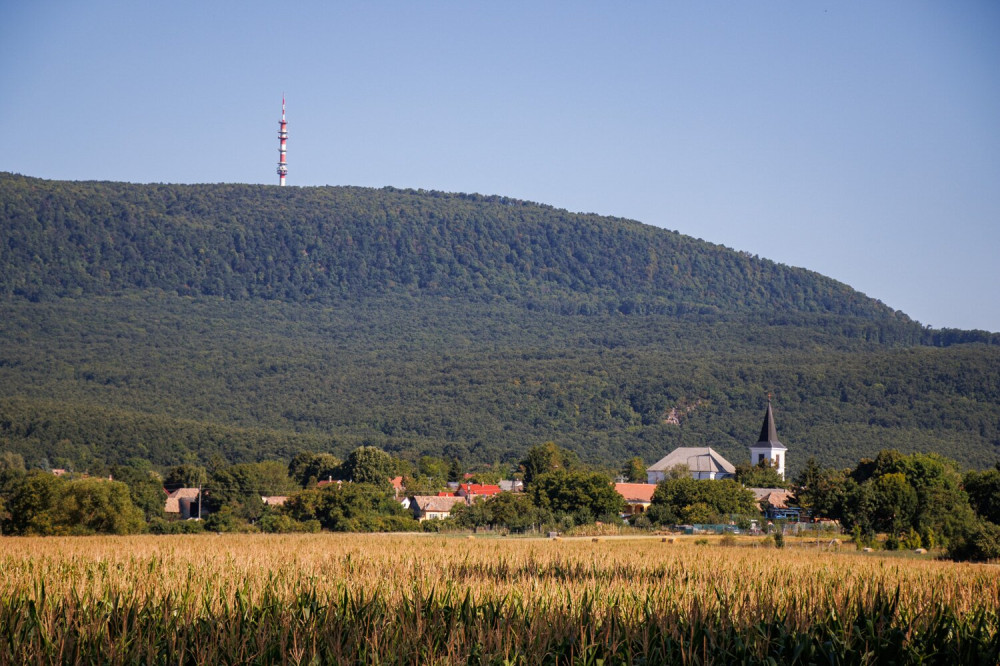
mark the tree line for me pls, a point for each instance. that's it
(916, 500)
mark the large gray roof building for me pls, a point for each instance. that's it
(703, 462)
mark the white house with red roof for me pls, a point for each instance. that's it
(638, 496)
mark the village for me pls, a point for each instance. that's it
(774, 504)
(893, 501)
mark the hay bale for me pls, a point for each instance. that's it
(920, 551)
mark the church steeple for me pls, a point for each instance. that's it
(768, 432)
(768, 447)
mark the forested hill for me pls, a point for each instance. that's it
(180, 323)
(326, 243)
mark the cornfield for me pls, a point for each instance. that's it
(397, 599)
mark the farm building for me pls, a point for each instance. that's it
(183, 502)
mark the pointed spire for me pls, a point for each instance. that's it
(768, 431)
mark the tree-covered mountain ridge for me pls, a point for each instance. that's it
(177, 323)
(327, 243)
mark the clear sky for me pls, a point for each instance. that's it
(857, 139)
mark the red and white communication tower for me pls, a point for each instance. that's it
(283, 136)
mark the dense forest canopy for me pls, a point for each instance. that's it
(180, 322)
(325, 243)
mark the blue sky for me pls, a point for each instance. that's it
(857, 139)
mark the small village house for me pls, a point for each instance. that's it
(638, 496)
(776, 503)
(433, 507)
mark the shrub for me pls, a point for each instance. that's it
(981, 544)
(863, 539)
(912, 540)
(641, 522)
(280, 523)
(224, 520)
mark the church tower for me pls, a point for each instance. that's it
(768, 447)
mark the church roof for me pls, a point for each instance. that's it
(768, 431)
(696, 459)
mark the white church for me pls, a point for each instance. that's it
(706, 463)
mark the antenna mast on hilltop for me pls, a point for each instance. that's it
(283, 137)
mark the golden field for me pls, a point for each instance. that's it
(353, 598)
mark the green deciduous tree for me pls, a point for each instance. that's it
(185, 476)
(895, 502)
(546, 458)
(474, 515)
(145, 487)
(307, 468)
(240, 487)
(42, 504)
(683, 499)
(761, 475)
(576, 492)
(984, 493)
(634, 470)
(896, 492)
(513, 511)
(30, 500)
(99, 506)
(351, 507)
(821, 490)
(435, 470)
(368, 464)
(981, 542)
